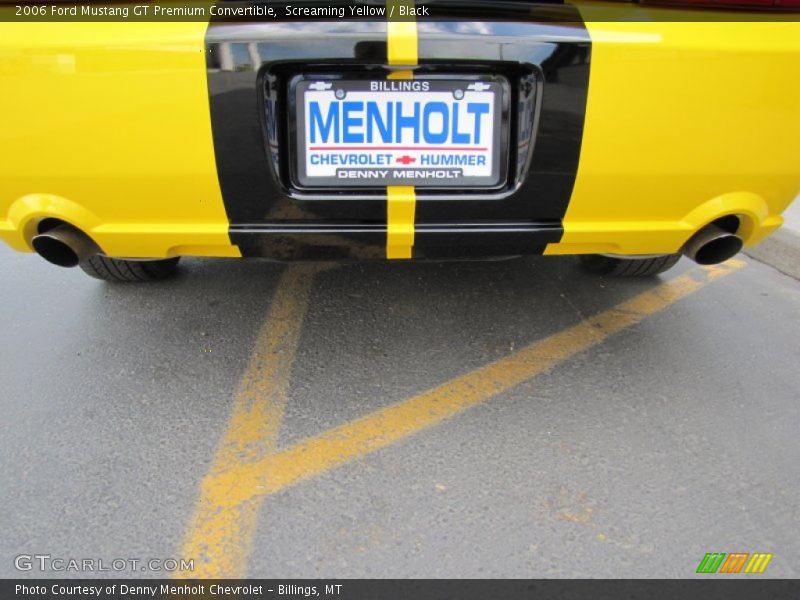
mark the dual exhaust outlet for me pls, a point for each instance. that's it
(712, 245)
(67, 246)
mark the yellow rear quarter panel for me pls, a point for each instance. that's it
(686, 122)
(106, 126)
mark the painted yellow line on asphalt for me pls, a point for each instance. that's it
(354, 440)
(219, 538)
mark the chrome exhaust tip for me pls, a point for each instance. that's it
(64, 246)
(712, 245)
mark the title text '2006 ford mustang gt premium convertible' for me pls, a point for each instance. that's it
(625, 133)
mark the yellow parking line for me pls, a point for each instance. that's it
(313, 456)
(219, 539)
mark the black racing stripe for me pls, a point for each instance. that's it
(555, 40)
(247, 70)
(348, 241)
(543, 49)
(483, 240)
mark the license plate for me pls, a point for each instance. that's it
(373, 133)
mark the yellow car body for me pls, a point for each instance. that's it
(107, 126)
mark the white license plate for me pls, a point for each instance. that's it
(374, 133)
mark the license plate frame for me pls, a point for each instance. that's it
(479, 162)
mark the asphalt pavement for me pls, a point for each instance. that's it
(510, 419)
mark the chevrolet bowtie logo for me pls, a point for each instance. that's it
(406, 160)
(478, 87)
(320, 86)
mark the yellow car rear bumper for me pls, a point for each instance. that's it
(107, 127)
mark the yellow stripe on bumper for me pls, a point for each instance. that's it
(401, 206)
(403, 46)
(401, 200)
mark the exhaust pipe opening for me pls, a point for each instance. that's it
(712, 245)
(719, 250)
(64, 246)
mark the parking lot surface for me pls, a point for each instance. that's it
(495, 419)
